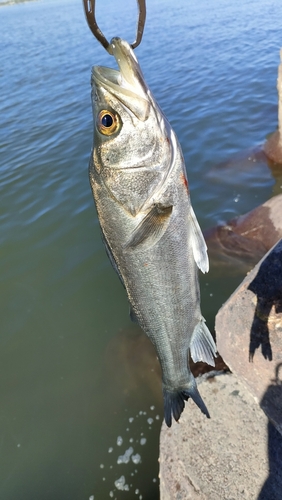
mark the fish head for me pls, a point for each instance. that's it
(130, 131)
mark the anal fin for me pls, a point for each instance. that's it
(202, 346)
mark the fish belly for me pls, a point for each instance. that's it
(161, 281)
(162, 285)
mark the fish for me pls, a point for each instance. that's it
(148, 226)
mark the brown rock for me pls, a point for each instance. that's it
(247, 238)
(249, 332)
(273, 147)
(236, 455)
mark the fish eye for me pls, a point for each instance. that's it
(108, 122)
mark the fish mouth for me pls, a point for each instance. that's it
(127, 84)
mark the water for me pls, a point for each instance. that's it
(81, 404)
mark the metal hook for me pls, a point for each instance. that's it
(89, 7)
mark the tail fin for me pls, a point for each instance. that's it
(174, 402)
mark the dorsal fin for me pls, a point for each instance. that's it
(198, 244)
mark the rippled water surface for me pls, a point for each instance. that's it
(80, 391)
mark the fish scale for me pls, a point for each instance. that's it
(151, 234)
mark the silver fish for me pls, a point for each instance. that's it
(150, 231)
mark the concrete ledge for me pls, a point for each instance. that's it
(245, 240)
(236, 455)
(249, 327)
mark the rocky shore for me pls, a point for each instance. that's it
(5, 3)
(237, 454)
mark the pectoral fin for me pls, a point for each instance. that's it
(151, 228)
(202, 347)
(198, 244)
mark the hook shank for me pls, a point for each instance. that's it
(89, 7)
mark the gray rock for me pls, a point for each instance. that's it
(236, 455)
(249, 333)
(245, 240)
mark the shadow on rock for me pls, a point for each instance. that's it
(267, 285)
(271, 403)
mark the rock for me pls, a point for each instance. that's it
(249, 332)
(246, 239)
(273, 146)
(236, 455)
